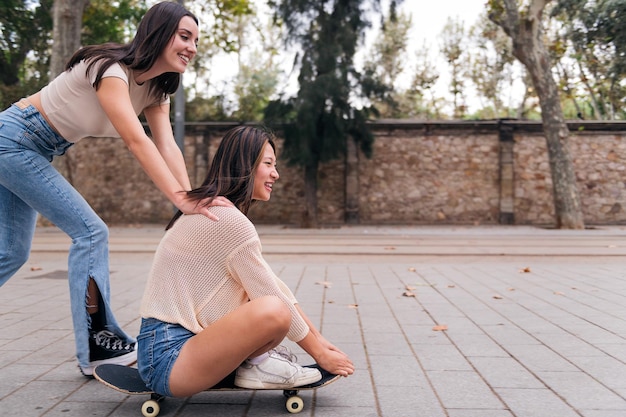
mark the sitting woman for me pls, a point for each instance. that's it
(212, 305)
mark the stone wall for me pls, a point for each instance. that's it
(600, 165)
(419, 173)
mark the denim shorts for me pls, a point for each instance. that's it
(158, 346)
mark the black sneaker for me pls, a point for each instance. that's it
(107, 347)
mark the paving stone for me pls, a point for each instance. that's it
(539, 334)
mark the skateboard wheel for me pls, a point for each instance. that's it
(150, 408)
(294, 404)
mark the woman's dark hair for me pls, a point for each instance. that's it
(232, 170)
(154, 33)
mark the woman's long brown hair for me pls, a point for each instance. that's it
(154, 33)
(232, 170)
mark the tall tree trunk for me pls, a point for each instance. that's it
(525, 30)
(67, 23)
(309, 214)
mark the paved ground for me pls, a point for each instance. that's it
(535, 319)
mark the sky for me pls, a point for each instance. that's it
(429, 19)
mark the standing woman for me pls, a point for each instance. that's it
(212, 304)
(101, 93)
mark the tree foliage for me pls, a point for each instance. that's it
(491, 67)
(24, 57)
(454, 49)
(386, 62)
(106, 21)
(328, 109)
(594, 40)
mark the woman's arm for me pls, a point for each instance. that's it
(114, 99)
(325, 354)
(158, 118)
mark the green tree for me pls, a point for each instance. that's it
(258, 77)
(386, 63)
(524, 25)
(454, 48)
(491, 66)
(595, 40)
(24, 44)
(424, 102)
(106, 21)
(324, 115)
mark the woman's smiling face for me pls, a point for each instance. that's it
(183, 45)
(265, 175)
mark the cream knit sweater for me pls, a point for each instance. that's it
(204, 269)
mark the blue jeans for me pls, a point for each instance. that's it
(30, 184)
(158, 346)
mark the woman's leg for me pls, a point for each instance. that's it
(17, 218)
(17, 225)
(45, 190)
(88, 267)
(208, 357)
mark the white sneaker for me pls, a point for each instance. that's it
(285, 352)
(275, 372)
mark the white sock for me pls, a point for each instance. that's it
(259, 359)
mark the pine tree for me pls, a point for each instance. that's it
(328, 109)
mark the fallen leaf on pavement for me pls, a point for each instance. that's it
(440, 328)
(36, 268)
(408, 294)
(326, 284)
(525, 270)
(497, 297)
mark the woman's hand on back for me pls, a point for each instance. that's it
(188, 206)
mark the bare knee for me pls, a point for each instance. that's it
(273, 313)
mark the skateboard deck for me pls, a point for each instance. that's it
(127, 380)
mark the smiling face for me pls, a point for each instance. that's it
(182, 47)
(266, 175)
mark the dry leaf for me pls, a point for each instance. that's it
(440, 328)
(451, 286)
(410, 288)
(331, 301)
(36, 268)
(558, 293)
(525, 270)
(412, 270)
(390, 248)
(510, 289)
(408, 294)
(353, 306)
(326, 284)
(497, 297)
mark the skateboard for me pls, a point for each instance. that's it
(127, 380)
